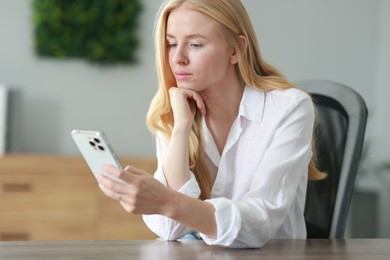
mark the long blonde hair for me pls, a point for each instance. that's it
(251, 69)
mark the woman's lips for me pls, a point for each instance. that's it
(182, 75)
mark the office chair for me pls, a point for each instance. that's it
(339, 135)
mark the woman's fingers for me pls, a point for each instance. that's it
(187, 94)
(141, 194)
(110, 188)
(200, 103)
(124, 175)
(134, 170)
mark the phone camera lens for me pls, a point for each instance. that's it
(97, 140)
(101, 147)
(92, 143)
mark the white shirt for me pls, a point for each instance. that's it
(260, 189)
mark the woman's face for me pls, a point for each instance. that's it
(198, 54)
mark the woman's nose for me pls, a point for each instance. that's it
(180, 57)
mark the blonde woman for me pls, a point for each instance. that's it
(233, 136)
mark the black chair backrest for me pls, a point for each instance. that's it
(342, 116)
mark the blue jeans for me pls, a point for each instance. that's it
(193, 235)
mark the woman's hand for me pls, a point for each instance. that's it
(145, 195)
(141, 194)
(184, 103)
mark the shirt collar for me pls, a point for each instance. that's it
(251, 107)
(252, 104)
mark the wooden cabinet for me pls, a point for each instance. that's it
(57, 198)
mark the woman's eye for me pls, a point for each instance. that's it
(172, 45)
(196, 45)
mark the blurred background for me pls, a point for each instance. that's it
(345, 41)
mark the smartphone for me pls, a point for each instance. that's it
(96, 150)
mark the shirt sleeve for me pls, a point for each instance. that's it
(259, 215)
(164, 227)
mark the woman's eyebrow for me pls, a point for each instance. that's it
(190, 36)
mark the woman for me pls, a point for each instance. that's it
(233, 136)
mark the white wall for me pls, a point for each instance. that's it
(319, 39)
(52, 97)
(381, 106)
(333, 40)
(381, 120)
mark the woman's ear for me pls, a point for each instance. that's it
(244, 43)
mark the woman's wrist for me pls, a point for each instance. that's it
(181, 130)
(171, 206)
(200, 217)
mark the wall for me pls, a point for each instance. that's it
(50, 98)
(380, 123)
(333, 40)
(319, 39)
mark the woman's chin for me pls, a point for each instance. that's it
(188, 87)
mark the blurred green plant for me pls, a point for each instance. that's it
(101, 31)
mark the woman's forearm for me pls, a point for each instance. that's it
(193, 213)
(176, 164)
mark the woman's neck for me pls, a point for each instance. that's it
(223, 103)
(222, 107)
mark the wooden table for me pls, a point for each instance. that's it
(356, 249)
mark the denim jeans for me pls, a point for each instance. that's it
(193, 235)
